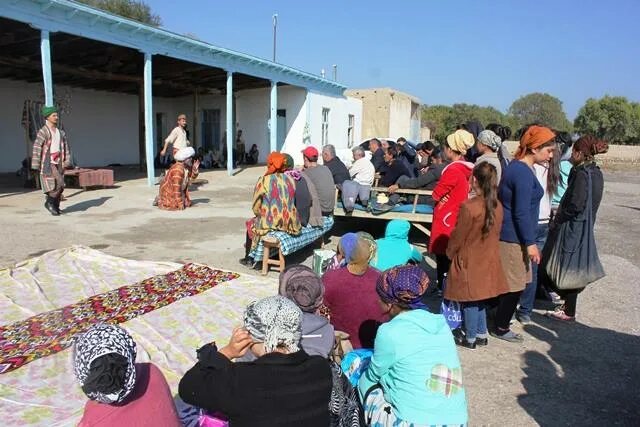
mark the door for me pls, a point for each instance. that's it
(210, 127)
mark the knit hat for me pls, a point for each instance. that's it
(48, 110)
(301, 285)
(184, 153)
(490, 139)
(460, 141)
(275, 321)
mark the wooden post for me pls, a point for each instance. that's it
(148, 119)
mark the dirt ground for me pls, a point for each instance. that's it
(563, 374)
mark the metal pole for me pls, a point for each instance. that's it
(45, 53)
(335, 73)
(275, 32)
(148, 119)
(273, 130)
(230, 136)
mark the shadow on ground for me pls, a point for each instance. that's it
(599, 369)
(87, 204)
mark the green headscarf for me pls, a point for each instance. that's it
(288, 161)
(48, 110)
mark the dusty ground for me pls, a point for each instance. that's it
(581, 374)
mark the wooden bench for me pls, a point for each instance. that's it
(415, 218)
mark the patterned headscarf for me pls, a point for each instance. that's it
(490, 139)
(460, 141)
(533, 137)
(289, 168)
(275, 163)
(300, 284)
(405, 285)
(112, 377)
(373, 246)
(274, 321)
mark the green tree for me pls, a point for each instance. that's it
(435, 117)
(443, 119)
(137, 10)
(612, 118)
(540, 108)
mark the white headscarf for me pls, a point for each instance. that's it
(184, 153)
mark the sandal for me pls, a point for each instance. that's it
(560, 315)
(508, 336)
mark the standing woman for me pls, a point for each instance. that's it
(452, 190)
(575, 201)
(520, 194)
(476, 271)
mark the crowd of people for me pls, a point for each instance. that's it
(496, 221)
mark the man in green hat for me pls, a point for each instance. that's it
(50, 157)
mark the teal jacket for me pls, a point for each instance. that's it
(413, 356)
(394, 249)
(565, 170)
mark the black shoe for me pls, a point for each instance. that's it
(466, 344)
(56, 205)
(482, 341)
(49, 205)
(246, 261)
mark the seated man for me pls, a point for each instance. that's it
(174, 188)
(322, 179)
(252, 155)
(392, 169)
(377, 154)
(423, 156)
(338, 169)
(359, 186)
(424, 181)
(406, 155)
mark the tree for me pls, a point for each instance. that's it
(435, 118)
(540, 108)
(443, 119)
(137, 10)
(612, 118)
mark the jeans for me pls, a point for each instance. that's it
(528, 296)
(475, 320)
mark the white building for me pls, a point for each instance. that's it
(112, 78)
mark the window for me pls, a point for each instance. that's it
(325, 126)
(352, 120)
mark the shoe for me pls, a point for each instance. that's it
(560, 315)
(56, 205)
(50, 207)
(555, 298)
(509, 336)
(458, 334)
(246, 261)
(466, 344)
(482, 341)
(524, 319)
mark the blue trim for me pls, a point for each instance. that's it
(230, 135)
(273, 122)
(47, 77)
(148, 119)
(81, 20)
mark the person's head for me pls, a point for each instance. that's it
(371, 242)
(239, 133)
(356, 251)
(390, 154)
(537, 145)
(374, 144)
(428, 147)
(401, 289)
(254, 147)
(185, 155)
(402, 140)
(437, 156)
(200, 150)
(488, 141)
(565, 142)
(301, 285)
(310, 156)
(288, 162)
(384, 144)
(275, 325)
(586, 148)
(104, 363)
(474, 127)
(504, 132)
(50, 114)
(358, 153)
(182, 120)
(328, 153)
(457, 144)
(276, 163)
(484, 182)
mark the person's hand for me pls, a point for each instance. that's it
(534, 253)
(163, 152)
(444, 199)
(393, 188)
(196, 164)
(238, 344)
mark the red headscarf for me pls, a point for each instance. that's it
(276, 163)
(533, 137)
(590, 146)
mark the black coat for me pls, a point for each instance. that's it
(574, 200)
(377, 159)
(338, 170)
(274, 390)
(391, 173)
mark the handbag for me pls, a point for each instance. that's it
(341, 346)
(451, 310)
(571, 259)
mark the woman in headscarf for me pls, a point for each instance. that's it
(284, 386)
(302, 286)
(452, 189)
(585, 178)
(520, 194)
(306, 196)
(415, 377)
(350, 292)
(120, 391)
(273, 205)
(487, 145)
(174, 188)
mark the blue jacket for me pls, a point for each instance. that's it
(413, 355)
(394, 249)
(520, 194)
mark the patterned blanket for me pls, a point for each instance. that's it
(48, 333)
(290, 244)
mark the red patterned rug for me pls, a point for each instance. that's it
(48, 333)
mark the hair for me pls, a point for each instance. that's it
(564, 139)
(329, 149)
(553, 172)
(428, 145)
(437, 152)
(504, 132)
(590, 146)
(487, 176)
(374, 141)
(182, 115)
(359, 150)
(402, 138)
(312, 159)
(393, 151)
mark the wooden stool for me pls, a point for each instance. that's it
(271, 242)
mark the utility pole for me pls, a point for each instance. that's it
(275, 32)
(335, 73)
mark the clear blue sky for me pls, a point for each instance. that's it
(475, 51)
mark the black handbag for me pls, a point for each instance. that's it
(571, 260)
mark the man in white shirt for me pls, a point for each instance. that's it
(178, 136)
(358, 187)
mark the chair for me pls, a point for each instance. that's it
(271, 242)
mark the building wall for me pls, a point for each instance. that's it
(399, 117)
(375, 111)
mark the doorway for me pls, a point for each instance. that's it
(210, 129)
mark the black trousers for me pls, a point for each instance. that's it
(570, 300)
(507, 304)
(442, 267)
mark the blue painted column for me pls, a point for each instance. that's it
(273, 131)
(230, 136)
(47, 75)
(148, 119)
